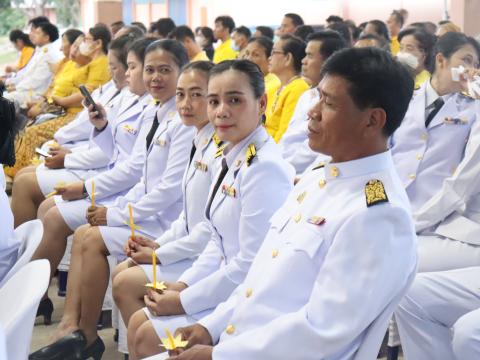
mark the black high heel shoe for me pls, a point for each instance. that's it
(95, 350)
(45, 309)
(70, 347)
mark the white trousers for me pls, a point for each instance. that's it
(439, 318)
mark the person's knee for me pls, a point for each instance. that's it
(44, 207)
(25, 185)
(92, 241)
(144, 338)
(120, 286)
(53, 219)
(466, 337)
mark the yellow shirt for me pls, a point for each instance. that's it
(421, 78)
(201, 56)
(394, 45)
(283, 106)
(25, 56)
(224, 52)
(272, 83)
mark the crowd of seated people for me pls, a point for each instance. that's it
(265, 193)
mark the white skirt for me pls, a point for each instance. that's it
(47, 178)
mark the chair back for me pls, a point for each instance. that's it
(30, 235)
(19, 299)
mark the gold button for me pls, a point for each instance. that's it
(230, 329)
(301, 197)
(424, 136)
(297, 217)
(334, 171)
(419, 157)
(274, 253)
(412, 176)
(322, 183)
(249, 293)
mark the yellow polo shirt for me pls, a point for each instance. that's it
(201, 56)
(284, 103)
(272, 83)
(394, 45)
(421, 78)
(224, 52)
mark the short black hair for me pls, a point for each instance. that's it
(375, 79)
(303, 31)
(139, 46)
(430, 27)
(343, 30)
(264, 42)
(333, 19)
(49, 29)
(443, 22)
(181, 32)
(37, 20)
(243, 30)
(450, 42)
(255, 75)
(118, 23)
(427, 43)
(72, 35)
(139, 25)
(207, 33)
(265, 31)
(295, 46)
(398, 17)
(380, 28)
(382, 42)
(101, 32)
(296, 19)
(331, 41)
(175, 48)
(20, 35)
(226, 21)
(163, 26)
(134, 30)
(120, 47)
(202, 65)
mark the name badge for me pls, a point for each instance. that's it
(455, 121)
(200, 166)
(129, 129)
(161, 142)
(229, 191)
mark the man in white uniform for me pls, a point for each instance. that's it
(294, 142)
(341, 252)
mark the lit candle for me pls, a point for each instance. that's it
(154, 263)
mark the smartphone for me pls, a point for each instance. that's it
(42, 152)
(88, 99)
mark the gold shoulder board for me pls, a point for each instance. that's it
(250, 154)
(375, 193)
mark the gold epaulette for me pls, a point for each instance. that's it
(250, 154)
(375, 193)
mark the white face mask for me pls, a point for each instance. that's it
(408, 59)
(84, 49)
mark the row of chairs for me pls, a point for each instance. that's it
(20, 293)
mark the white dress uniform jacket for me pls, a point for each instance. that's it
(424, 157)
(79, 129)
(36, 80)
(189, 234)
(439, 318)
(86, 161)
(252, 190)
(8, 242)
(338, 257)
(294, 142)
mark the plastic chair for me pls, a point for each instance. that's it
(30, 234)
(19, 299)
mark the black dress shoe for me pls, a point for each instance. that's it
(95, 350)
(45, 309)
(69, 347)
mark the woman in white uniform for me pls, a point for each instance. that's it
(178, 247)
(252, 181)
(156, 201)
(82, 162)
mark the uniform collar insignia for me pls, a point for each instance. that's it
(319, 166)
(220, 150)
(250, 154)
(375, 193)
(217, 140)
